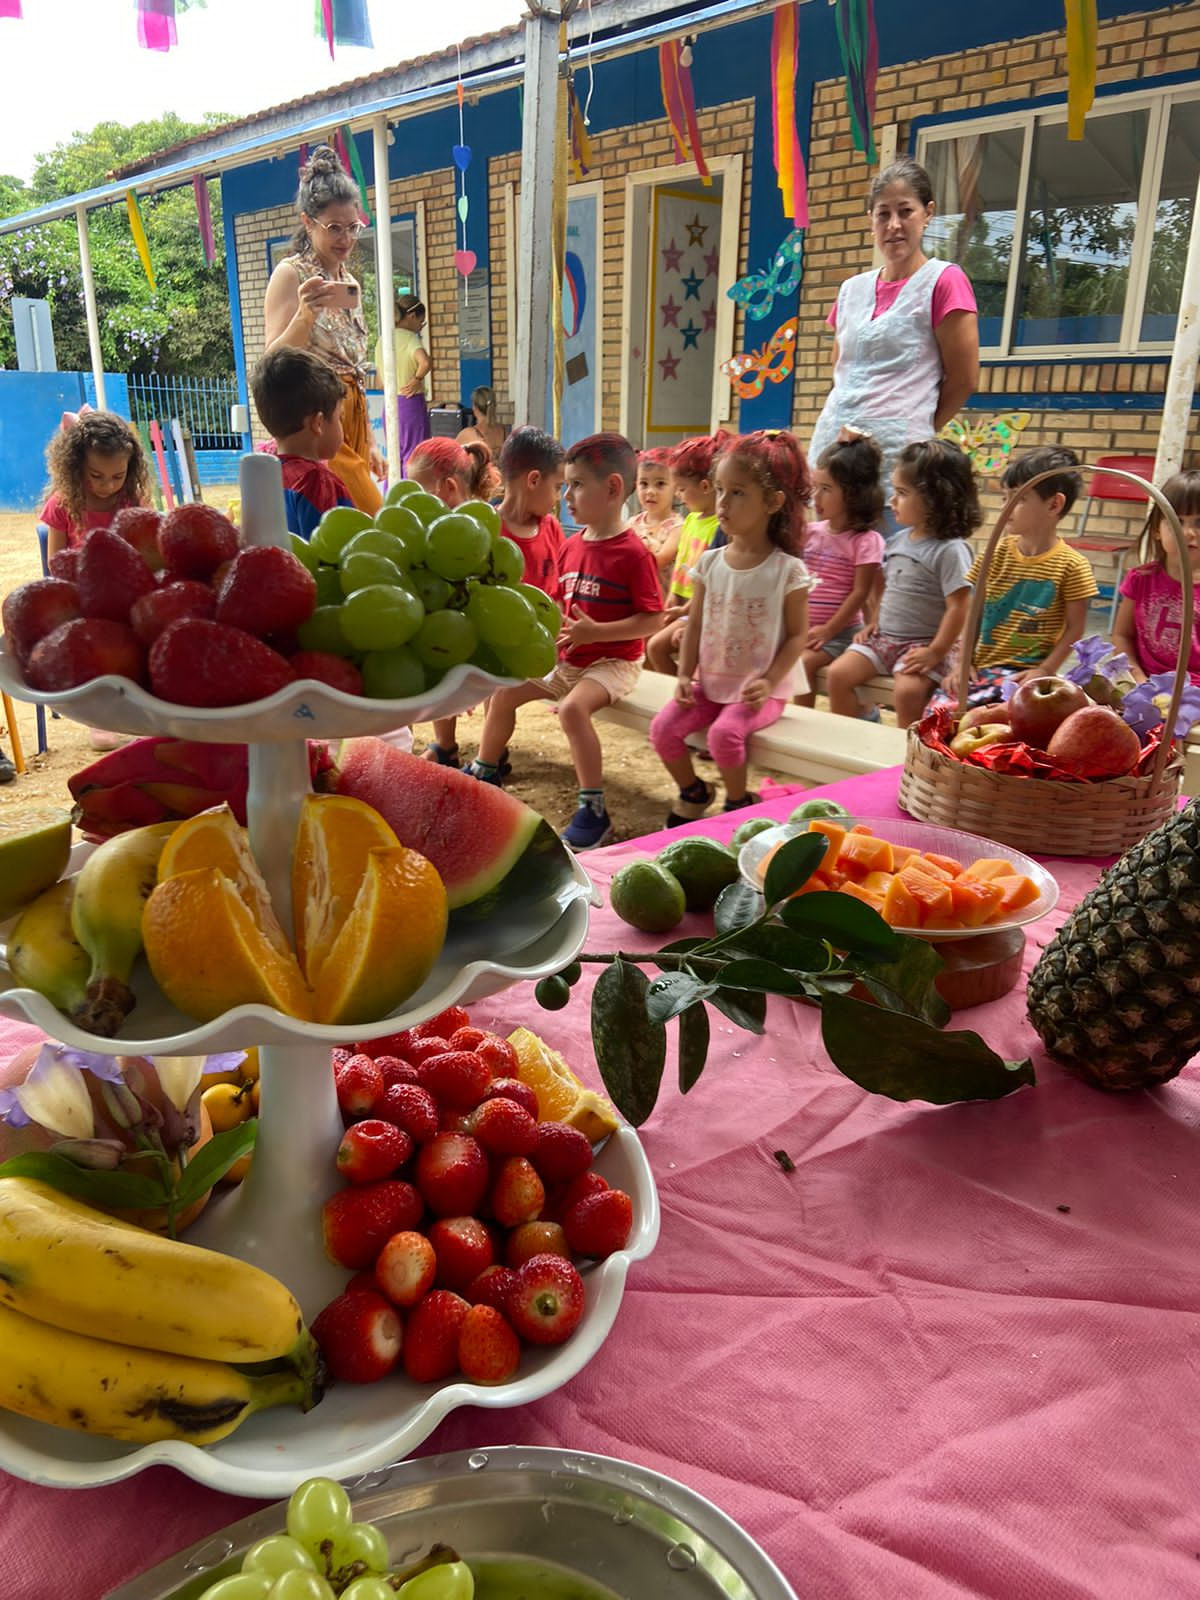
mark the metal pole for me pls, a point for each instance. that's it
(533, 350)
(89, 303)
(385, 296)
(1185, 357)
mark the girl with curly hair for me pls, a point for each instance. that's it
(97, 466)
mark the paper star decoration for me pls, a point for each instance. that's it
(691, 286)
(696, 230)
(691, 334)
(710, 318)
(669, 364)
(671, 256)
(712, 262)
(670, 312)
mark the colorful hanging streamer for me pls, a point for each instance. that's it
(10, 8)
(859, 46)
(789, 157)
(1081, 63)
(156, 24)
(465, 260)
(204, 217)
(343, 22)
(581, 144)
(679, 102)
(356, 167)
(138, 230)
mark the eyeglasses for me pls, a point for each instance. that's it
(341, 230)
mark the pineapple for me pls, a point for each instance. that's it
(1115, 996)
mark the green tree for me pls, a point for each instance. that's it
(183, 325)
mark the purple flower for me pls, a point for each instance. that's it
(1093, 655)
(1143, 715)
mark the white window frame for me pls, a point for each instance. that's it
(1159, 103)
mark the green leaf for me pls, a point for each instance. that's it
(792, 865)
(122, 1189)
(680, 947)
(906, 1059)
(847, 923)
(630, 1049)
(214, 1159)
(674, 992)
(736, 906)
(693, 1046)
(771, 941)
(908, 983)
(742, 1006)
(763, 976)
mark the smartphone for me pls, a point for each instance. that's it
(344, 295)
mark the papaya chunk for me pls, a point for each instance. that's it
(947, 863)
(989, 867)
(975, 901)
(1017, 891)
(900, 909)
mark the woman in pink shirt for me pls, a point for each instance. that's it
(1150, 614)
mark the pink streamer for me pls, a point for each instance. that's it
(327, 19)
(204, 217)
(10, 8)
(156, 24)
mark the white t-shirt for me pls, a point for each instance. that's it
(743, 624)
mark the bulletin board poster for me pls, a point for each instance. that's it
(685, 233)
(474, 316)
(581, 278)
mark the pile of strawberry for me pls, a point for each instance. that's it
(172, 604)
(462, 1214)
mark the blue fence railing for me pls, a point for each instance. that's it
(201, 404)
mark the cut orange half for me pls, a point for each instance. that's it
(208, 953)
(333, 839)
(216, 839)
(560, 1095)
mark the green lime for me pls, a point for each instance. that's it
(648, 897)
(747, 830)
(812, 809)
(552, 994)
(572, 973)
(702, 866)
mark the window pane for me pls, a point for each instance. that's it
(1079, 225)
(975, 180)
(1172, 221)
(404, 265)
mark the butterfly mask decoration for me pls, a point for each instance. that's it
(749, 372)
(987, 444)
(757, 292)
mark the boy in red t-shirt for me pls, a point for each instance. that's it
(299, 400)
(611, 602)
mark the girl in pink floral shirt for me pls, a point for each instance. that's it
(1150, 614)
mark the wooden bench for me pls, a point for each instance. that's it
(808, 744)
(876, 691)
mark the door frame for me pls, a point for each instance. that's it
(730, 168)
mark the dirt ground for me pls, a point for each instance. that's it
(639, 791)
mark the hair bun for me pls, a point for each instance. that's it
(324, 159)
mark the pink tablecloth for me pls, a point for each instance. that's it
(956, 1352)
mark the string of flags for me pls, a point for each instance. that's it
(343, 22)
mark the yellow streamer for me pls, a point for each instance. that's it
(139, 237)
(1081, 63)
(785, 101)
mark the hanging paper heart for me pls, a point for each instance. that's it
(465, 261)
(462, 156)
(464, 205)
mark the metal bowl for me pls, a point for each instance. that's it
(620, 1531)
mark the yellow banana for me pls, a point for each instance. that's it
(111, 889)
(65, 1264)
(121, 1392)
(44, 954)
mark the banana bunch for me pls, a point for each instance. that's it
(78, 941)
(108, 1329)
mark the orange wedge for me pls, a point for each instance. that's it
(386, 946)
(216, 839)
(560, 1095)
(208, 953)
(334, 836)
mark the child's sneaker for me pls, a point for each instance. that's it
(588, 829)
(485, 775)
(740, 805)
(691, 803)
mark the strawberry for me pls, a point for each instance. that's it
(457, 1078)
(499, 1055)
(503, 1127)
(444, 1024)
(359, 1087)
(198, 663)
(488, 1349)
(535, 1239)
(87, 648)
(599, 1223)
(266, 590)
(453, 1120)
(339, 1056)
(390, 1044)
(34, 610)
(65, 564)
(111, 576)
(466, 1038)
(360, 1336)
(513, 1089)
(452, 1174)
(560, 1152)
(372, 1150)
(463, 1247)
(150, 613)
(517, 1194)
(194, 540)
(587, 1183)
(406, 1267)
(358, 1222)
(491, 1287)
(546, 1302)
(396, 1071)
(412, 1108)
(138, 526)
(423, 1049)
(431, 1337)
(322, 667)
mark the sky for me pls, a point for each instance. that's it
(234, 56)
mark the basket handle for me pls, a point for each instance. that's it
(975, 611)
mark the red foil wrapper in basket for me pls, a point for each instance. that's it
(1013, 756)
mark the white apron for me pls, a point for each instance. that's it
(889, 368)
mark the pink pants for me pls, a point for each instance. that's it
(729, 727)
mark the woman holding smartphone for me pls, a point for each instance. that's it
(314, 303)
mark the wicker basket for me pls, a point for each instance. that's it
(1040, 815)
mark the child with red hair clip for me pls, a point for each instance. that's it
(740, 658)
(657, 524)
(692, 464)
(453, 472)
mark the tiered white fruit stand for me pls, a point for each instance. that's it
(273, 1218)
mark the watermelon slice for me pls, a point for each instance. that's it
(487, 845)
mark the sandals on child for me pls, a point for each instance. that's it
(691, 803)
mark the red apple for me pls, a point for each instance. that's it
(979, 737)
(976, 715)
(1040, 705)
(1094, 743)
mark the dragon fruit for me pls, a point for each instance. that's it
(157, 780)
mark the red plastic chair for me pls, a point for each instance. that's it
(1104, 486)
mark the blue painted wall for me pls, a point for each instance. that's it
(31, 408)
